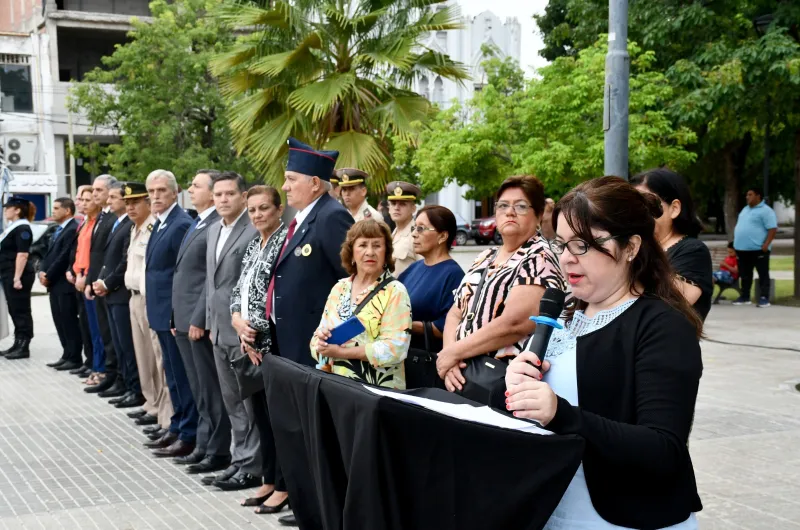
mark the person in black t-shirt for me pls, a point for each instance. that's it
(677, 230)
(16, 273)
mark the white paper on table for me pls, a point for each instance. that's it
(484, 415)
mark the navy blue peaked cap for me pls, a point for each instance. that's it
(308, 161)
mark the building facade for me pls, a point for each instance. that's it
(465, 47)
(45, 46)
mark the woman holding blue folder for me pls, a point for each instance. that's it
(365, 329)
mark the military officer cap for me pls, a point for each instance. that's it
(134, 190)
(16, 201)
(402, 191)
(349, 176)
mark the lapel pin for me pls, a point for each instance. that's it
(306, 250)
(297, 252)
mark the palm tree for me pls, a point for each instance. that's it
(334, 73)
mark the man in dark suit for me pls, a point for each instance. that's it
(109, 387)
(212, 450)
(162, 254)
(110, 286)
(227, 240)
(63, 303)
(310, 262)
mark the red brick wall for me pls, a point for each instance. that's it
(20, 15)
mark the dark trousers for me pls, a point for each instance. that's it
(108, 340)
(98, 348)
(213, 424)
(269, 458)
(86, 334)
(749, 260)
(64, 307)
(119, 319)
(184, 417)
(19, 304)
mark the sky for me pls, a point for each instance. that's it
(524, 11)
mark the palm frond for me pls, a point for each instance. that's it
(238, 15)
(401, 114)
(359, 150)
(441, 64)
(318, 98)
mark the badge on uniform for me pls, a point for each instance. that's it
(367, 213)
(150, 227)
(25, 235)
(297, 252)
(306, 250)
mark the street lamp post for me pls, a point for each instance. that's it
(615, 104)
(762, 24)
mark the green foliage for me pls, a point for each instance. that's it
(163, 104)
(336, 74)
(550, 126)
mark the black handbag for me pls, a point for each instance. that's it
(484, 374)
(248, 375)
(420, 363)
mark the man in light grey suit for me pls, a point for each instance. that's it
(213, 446)
(227, 241)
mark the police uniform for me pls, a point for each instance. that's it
(349, 177)
(145, 341)
(402, 240)
(17, 239)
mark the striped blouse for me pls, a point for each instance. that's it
(532, 264)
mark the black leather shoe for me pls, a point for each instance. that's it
(117, 390)
(179, 448)
(240, 481)
(147, 419)
(196, 457)
(151, 429)
(264, 508)
(69, 365)
(22, 352)
(288, 520)
(119, 399)
(11, 349)
(104, 385)
(136, 414)
(133, 400)
(210, 464)
(57, 363)
(79, 370)
(225, 475)
(157, 434)
(165, 441)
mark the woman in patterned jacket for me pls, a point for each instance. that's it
(376, 355)
(492, 317)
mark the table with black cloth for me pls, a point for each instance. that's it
(354, 459)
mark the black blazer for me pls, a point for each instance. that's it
(57, 260)
(115, 263)
(637, 385)
(304, 276)
(99, 238)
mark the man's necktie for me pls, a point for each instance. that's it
(58, 232)
(271, 288)
(116, 224)
(192, 228)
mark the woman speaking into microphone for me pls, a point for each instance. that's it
(623, 373)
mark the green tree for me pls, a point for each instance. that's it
(336, 74)
(550, 126)
(164, 105)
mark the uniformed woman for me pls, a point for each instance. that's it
(403, 198)
(16, 273)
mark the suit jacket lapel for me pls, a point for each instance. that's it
(237, 231)
(213, 237)
(156, 235)
(301, 230)
(202, 225)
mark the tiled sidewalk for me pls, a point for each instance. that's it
(68, 460)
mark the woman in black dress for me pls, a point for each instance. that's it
(677, 230)
(17, 274)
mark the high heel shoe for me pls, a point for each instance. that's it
(256, 501)
(264, 509)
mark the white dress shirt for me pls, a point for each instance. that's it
(204, 214)
(225, 233)
(163, 216)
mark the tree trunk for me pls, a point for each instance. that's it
(797, 213)
(731, 206)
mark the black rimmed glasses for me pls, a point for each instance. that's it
(576, 247)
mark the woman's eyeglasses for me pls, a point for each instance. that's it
(419, 229)
(576, 247)
(520, 208)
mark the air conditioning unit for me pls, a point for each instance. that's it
(20, 152)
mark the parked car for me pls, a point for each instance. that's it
(484, 231)
(42, 234)
(462, 231)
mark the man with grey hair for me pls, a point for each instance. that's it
(162, 254)
(109, 387)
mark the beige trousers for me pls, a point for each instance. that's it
(151, 367)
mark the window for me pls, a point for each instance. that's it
(16, 91)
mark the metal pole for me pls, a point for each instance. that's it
(766, 150)
(73, 185)
(615, 115)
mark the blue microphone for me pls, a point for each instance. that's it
(550, 308)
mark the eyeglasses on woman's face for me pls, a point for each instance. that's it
(422, 229)
(521, 208)
(576, 247)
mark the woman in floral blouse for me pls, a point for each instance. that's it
(376, 355)
(248, 315)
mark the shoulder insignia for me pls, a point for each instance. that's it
(25, 235)
(367, 213)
